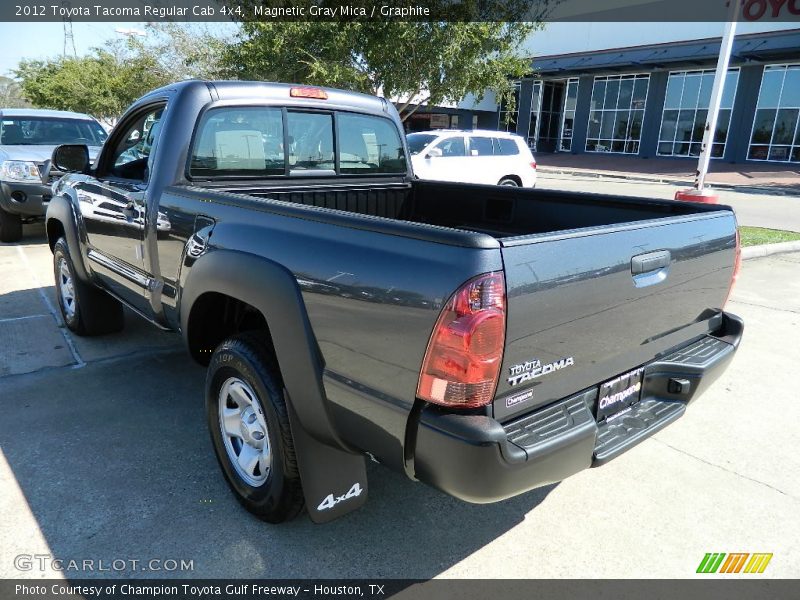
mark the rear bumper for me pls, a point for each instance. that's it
(477, 459)
(26, 199)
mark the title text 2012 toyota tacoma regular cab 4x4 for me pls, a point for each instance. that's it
(482, 339)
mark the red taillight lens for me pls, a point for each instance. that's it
(533, 165)
(308, 92)
(462, 363)
(737, 266)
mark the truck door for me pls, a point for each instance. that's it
(112, 204)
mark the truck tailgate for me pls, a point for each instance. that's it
(587, 305)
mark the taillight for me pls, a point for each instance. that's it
(462, 362)
(308, 92)
(533, 165)
(737, 266)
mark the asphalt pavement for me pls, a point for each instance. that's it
(104, 456)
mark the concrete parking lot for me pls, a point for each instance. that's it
(104, 455)
(754, 209)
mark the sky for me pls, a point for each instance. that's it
(43, 40)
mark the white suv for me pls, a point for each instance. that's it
(488, 157)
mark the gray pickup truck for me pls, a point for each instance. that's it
(484, 340)
(27, 139)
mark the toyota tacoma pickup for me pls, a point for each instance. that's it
(485, 340)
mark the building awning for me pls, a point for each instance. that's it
(692, 54)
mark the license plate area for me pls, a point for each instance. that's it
(619, 394)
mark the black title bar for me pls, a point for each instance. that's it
(766, 11)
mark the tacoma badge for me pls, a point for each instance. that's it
(534, 368)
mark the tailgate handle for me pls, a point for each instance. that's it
(652, 261)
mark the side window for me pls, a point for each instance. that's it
(243, 141)
(453, 146)
(369, 145)
(132, 151)
(310, 142)
(480, 146)
(507, 147)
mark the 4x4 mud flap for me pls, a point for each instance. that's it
(334, 481)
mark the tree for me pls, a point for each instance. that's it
(182, 51)
(417, 61)
(107, 80)
(11, 94)
(102, 84)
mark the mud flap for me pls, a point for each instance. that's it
(334, 481)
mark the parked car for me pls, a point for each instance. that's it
(483, 340)
(27, 139)
(488, 157)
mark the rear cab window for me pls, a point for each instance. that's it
(264, 141)
(369, 145)
(310, 143)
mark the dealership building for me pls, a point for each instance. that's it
(643, 89)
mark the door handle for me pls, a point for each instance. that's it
(652, 261)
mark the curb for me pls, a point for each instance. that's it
(763, 250)
(737, 187)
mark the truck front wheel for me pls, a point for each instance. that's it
(86, 310)
(249, 426)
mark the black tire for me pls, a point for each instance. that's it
(509, 182)
(249, 357)
(10, 227)
(92, 311)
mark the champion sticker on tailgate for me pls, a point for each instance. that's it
(519, 398)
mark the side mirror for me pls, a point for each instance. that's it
(44, 172)
(433, 153)
(71, 158)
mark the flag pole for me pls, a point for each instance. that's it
(697, 194)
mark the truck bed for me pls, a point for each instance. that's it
(500, 212)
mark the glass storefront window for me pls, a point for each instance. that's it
(568, 122)
(686, 110)
(536, 107)
(616, 113)
(776, 124)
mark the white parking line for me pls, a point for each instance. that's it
(22, 318)
(70, 344)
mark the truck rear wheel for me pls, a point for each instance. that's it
(249, 425)
(10, 227)
(86, 310)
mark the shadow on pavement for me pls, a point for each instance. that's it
(115, 462)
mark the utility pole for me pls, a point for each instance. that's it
(697, 193)
(69, 37)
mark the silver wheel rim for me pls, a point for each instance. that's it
(66, 288)
(509, 183)
(244, 431)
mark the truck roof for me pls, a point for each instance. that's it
(273, 92)
(38, 112)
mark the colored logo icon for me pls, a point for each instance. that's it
(737, 562)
